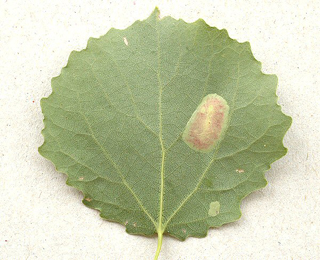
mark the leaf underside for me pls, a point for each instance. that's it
(115, 119)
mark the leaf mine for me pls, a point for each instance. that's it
(214, 208)
(207, 124)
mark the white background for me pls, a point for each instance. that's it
(42, 218)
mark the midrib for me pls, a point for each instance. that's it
(160, 229)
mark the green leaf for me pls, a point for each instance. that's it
(117, 124)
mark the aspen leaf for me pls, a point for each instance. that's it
(132, 121)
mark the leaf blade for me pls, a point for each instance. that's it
(120, 140)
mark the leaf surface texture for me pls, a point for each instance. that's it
(115, 119)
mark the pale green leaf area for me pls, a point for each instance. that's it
(115, 119)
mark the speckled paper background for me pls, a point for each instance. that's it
(42, 218)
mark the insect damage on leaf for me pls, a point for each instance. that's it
(214, 208)
(207, 124)
(125, 41)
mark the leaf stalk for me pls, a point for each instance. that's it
(160, 236)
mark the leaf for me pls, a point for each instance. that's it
(117, 124)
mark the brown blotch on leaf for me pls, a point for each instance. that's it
(207, 124)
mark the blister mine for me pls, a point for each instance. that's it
(207, 124)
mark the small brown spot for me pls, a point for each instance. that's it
(88, 199)
(239, 170)
(184, 231)
(80, 179)
(126, 223)
(6, 240)
(135, 224)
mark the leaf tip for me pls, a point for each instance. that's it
(155, 15)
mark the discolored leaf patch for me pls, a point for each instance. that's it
(207, 124)
(214, 208)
